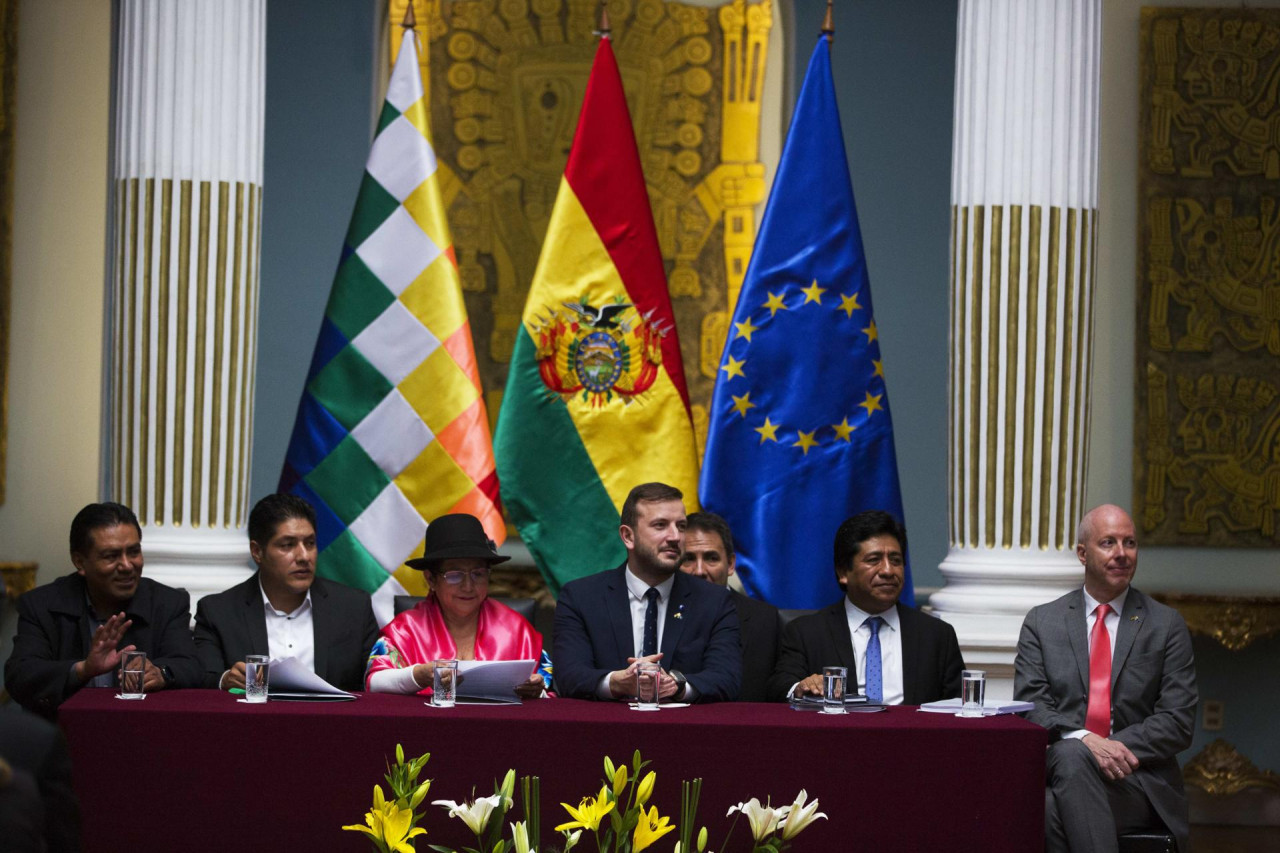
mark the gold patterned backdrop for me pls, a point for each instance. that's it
(506, 80)
(1207, 460)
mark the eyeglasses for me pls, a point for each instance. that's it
(478, 576)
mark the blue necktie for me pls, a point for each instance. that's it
(649, 646)
(875, 686)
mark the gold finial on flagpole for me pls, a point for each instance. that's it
(604, 30)
(828, 24)
(409, 21)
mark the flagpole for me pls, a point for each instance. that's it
(409, 21)
(604, 31)
(828, 25)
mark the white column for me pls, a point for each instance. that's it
(1024, 225)
(187, 212)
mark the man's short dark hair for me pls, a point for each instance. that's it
(863, 526)
(96, 516)
(647, 493)
(709, 522)
(272, 511)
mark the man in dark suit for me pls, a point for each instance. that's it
(647, 610)
(73, 632)
(284, 610)
(900, 655)
(1113, 678)
(709, 554)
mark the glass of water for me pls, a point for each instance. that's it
(973, 688)
(444, 684)
(133, 675)
(648, 679)
(833, 681)
(257, 671)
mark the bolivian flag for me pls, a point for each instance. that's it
(596, 401)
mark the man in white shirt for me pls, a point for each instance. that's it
(284, 610)
(647, 610)
(1113, 679)
(897, 654)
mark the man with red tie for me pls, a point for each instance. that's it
(1113, 679)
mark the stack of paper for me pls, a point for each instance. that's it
(289, 680)
(989, 708)
(493, 680)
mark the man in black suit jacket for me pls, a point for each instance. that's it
(1116, 688)
(920, 657)
(328, 627)
(709, 554)
(36, 748)
(647, 610)
(72, 632)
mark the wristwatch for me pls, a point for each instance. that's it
(168, 675)
(681, 683)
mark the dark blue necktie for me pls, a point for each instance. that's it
(875, 684)
(650, 644)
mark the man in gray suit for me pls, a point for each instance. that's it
(1113, 679)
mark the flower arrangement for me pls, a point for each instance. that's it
(619, 816)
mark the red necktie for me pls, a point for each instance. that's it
(1098, 718)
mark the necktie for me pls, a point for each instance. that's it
(1098, 717)
(875, 684)
(649, 646)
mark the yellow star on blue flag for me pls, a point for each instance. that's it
(815, 446)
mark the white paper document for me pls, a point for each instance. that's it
(989, 708)
(289, 680)
(493, 680)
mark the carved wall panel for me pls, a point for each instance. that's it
(1207, 437)
(506, 80)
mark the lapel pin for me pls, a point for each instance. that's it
(679, 614)
(1135, 618)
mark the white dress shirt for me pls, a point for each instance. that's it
(890, 649)
(638, 604)
(1112, 622)
(291, 634)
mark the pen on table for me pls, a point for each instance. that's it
(237, 691)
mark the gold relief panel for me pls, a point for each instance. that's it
(1220, 769)
(1235, 622)
(1207, 417)
(505, 80)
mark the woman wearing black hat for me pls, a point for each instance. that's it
(457, 621)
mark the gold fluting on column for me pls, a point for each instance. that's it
(145, 456)
(180, 351)
(233, 403)
(117, 468)
(1052, 277)
(953, 388)
(216, 432)
(251, 346)
(975, 378)
(962, 395)
(1064, 395)
(994, 268)
(1083, 346)
(202, 322)
(1032, 349)
(162, 347)
(1012, 325)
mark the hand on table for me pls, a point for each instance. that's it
(153, 678)
(1115, 760)
(811, 686)
(532, 688)
(233, 679)
(623, 682)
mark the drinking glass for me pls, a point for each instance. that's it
(133, 675)
(444, 684)
(973, 688)
(257, 672)
(833, 682)
(648, 679)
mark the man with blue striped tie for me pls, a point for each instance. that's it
(900, 655)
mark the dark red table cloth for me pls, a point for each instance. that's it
(195, 770)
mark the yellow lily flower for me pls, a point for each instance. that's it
(396, 830)
(619, 781)
(589, 812)
(650, 828)
(645, 789)
(799, 816)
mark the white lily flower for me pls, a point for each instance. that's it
(763, 819)
(571, 839)
(474, 815)
(799, 816)
(520, 837)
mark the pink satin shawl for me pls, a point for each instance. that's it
(420, 636)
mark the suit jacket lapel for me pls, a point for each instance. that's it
(320, 628)
(618, 605)
(1074, 622)
(838, 625)
(1131, 619)
(676, 613)
(255, 617)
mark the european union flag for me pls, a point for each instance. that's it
(800, 436)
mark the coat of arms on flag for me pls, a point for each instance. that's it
(598, 353)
